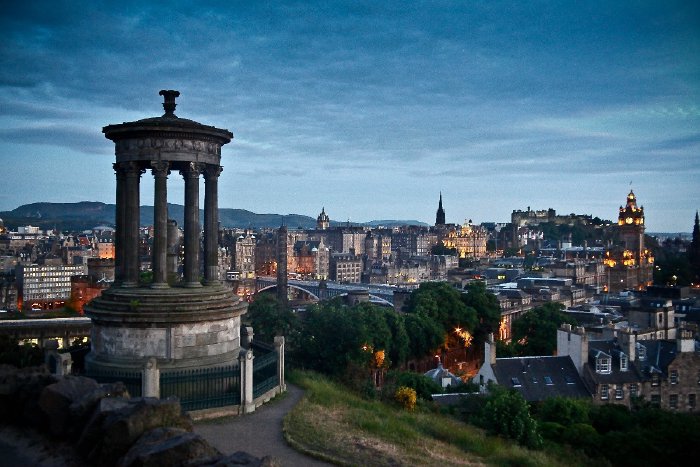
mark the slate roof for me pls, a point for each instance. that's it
(660, 353)
(539, 378)
(616, 376)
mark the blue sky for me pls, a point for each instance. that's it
(368, 108)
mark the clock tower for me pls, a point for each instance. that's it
(629, 264)
(631, 226)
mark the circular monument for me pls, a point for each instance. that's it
(185, 323)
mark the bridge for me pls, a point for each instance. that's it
(325, 290)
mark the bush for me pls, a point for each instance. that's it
(507, 413)
(406, 397)
(422, 385)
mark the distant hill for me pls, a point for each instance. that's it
(88, 214)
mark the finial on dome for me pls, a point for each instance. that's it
(169, 101)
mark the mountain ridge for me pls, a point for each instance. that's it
(84, 215)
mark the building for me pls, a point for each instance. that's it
(626, 370)
(469, 240)
(244, 255)
(345, 267)
(535, 378)
(629, 263)
(44, 286)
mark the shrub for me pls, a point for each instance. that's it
(507, 413)
(406, 397)
(423, 386)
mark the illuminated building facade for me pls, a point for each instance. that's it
(469, 240)
(629, 264)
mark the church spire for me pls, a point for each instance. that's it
(440, 215)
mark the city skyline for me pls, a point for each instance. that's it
(369, 110)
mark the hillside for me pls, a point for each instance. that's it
(88, 214)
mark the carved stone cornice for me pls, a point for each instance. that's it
(132, 169)
(175, 142)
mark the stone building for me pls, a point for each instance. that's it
(626, 370)
(469, 240)
(244, 255)
(345, 268)
(323, 222)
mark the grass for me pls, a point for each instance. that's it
(334, 424)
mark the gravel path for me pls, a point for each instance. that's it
(258, 433)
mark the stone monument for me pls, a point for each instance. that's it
(193, 323)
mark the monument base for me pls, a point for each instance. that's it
(179, 327)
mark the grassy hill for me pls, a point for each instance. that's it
(334, 424)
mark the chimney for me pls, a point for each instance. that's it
(685, 341)
(490, 349)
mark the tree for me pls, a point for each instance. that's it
(442, 303)
(269, 319)
(535, 333)
(564, 411)
(424, 334)
(441, 249)
(335, 335)
(487, 308)
(507, 413)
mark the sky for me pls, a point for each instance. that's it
(369, 109)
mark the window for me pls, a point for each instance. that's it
(642, 355)
(673, 401)
(602, 365)
(691, 401)
(655, 400)
(623, 362)
(548, 381)
(655, 379)
(634, 390)
(604, 392)
(674, 376)
(619, 393)
(516, 382)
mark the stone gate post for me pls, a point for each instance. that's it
(245, 361)
(279, 349)
(150, 380)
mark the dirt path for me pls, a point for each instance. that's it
(258, 433)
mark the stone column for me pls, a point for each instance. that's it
(211, 224)
(160, 172)
(133, 173)
(119, 221)
(191, 267)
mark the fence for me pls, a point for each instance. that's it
(203, 388)
(131, 379)
(265, 369)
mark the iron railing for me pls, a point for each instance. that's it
(265, 376)
(203, 388)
